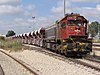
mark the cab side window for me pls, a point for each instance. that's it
(63, 24)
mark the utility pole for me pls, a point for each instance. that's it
(98, 30)
(64, 7)
(33, 17)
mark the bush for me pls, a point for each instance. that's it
(2, 38)
(12, 45)
(10, 33)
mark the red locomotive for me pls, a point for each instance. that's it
(67, 36)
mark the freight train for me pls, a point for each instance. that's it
(66, 36)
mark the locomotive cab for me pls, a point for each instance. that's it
(73, 25)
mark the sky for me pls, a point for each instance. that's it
(17, 15)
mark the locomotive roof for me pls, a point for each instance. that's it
(72, 14)
(67, 15)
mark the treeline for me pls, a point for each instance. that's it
(94, 28)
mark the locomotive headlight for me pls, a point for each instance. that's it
(71, 29)
(64, 41)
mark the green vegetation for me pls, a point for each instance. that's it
(12, 45)
(10, 33)
(93, 29)
(2, 38)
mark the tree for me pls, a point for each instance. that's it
(2, 38)
(93, 28)
(10, 33)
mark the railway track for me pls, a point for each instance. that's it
(92, 63)
(1, 71)
(96, 46)
(26, 66)
(93, 60)
(66, 59)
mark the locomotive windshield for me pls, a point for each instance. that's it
(78, 22)
(71, 22)
(75, 22)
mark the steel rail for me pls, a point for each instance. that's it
(21, 63)
(1, 71)
(86, 64)
(93, 60)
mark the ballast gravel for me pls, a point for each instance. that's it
(11, 67)
(48, 65)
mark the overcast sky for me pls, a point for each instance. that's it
(17, 14)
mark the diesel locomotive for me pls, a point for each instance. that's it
(66, 36)
(69, 36)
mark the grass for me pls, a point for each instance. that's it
(11, 45)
